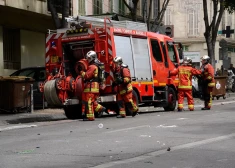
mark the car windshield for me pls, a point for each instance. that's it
(27, 72)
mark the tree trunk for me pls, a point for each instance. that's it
(54, 15)
(65, 13)
(133, 9)
(149, 14)
(211, 28)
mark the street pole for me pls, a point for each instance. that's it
(31, 98)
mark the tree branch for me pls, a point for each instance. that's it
(128, 6)
(65, 13)
(205, 14)
(54, 15)
(149, 14)
(221, 12)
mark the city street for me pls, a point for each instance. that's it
(152, 139)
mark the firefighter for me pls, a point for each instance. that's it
(91, 89)
(185, 72)
(124, 87)
(208, 81)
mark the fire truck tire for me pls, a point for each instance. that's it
(171, 100)
(51, 94)
(136, 101)
(73, 111)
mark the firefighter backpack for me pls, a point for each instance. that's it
(101, 71)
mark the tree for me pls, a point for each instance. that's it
(160, 15)
(212, 24)
(132, 9)
(59, 23)
(154, 24)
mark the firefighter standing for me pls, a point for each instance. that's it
(91, 89)
(208, 81)
(185, 72)
(124, 87)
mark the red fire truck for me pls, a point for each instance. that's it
(149, 56)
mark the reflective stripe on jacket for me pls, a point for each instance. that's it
(126, 86)
(185, 76)
(88, 76)
(208, 74)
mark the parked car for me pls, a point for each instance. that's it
(39, 75)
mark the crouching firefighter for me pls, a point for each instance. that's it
(123, 82)
(91, 88)
(208, 81)
(185, 72)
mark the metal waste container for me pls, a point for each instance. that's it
(15, 94)
(220, 87)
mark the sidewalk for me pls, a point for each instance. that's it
(58, 114)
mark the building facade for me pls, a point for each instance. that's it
(187, 18)
(24, 24)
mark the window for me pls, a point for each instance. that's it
(111, 6)
(193, 20)
(155, 8)
(26, 72)
(168, 15)
(81, 7)
(171, 52)
(223, 21)
(156, 50)
(121, 7)
(97, 7)
(58, 4)
(11, 48)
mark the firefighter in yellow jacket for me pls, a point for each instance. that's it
(91, 89)
(124, 87)
(185, 72)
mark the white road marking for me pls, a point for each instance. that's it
(181, 118)
(166, 126)
(126, 129)
(161, 152)
(17, 127)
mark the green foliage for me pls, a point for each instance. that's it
(229, 5)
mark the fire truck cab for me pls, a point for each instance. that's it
(149, 56)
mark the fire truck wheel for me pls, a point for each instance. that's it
(73, 111)
(135, 100)
(171, 100)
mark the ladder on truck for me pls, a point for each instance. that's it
(98, 22)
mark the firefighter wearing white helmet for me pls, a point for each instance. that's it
(124, 88)
(91, 89)
(185, 72)
(208, 81)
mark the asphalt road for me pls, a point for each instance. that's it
(198, 139)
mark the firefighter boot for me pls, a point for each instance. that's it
(205, 108)
(134, 114)
(179, 110)
(121, 116)
(101, 112)
(86, 119)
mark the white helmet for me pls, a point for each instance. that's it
(118, 60)
(187, 60)
(91, 56)
(205, 57)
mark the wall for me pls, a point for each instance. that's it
(32, 49)
(38, 6)
(2, 2)
(1, 52)
(3, 72)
